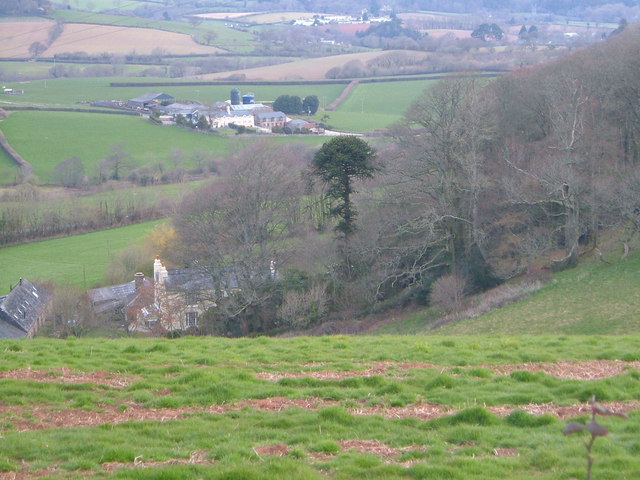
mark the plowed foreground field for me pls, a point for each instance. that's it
(312, 408)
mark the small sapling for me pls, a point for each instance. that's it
(593, 427)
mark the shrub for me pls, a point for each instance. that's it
(448, 291)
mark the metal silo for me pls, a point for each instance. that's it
(248, 99)
(235, 96)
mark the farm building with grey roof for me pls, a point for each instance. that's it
(23, 310)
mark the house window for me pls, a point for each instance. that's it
(192, 319)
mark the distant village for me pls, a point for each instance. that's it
(239, 112)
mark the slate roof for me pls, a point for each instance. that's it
(190, 279)
(269, 115)
(151, 96)
(21, 308)
(299, 123)
(109, 298)
(182, 108)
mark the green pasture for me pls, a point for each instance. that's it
(8, 170)
(389, 98)
(593, 298)
(28, 70)
(359, 122)
(67, 92)
(46, 138)
(376, 105)
(76, 260)
(209, 378)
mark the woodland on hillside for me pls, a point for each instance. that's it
(482, 183)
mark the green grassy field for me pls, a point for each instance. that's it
(376, 105)
(76, 260)
(594, 298)
(27, 70)
(8, 169)
(67, 92)
(312, 408)
(90, 136)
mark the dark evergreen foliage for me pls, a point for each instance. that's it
(338, 163)
(288, 104)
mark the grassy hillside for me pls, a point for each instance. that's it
(376, 105)
(8, 169)
(90, 136)
(76, 260)
(594, 298)
(381, 408)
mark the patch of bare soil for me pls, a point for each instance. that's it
(377, 448)
(374, 447)
(422, 410)
(277, 450)
(66, 375)
(583, 370)
(277, 404)
(197, 457)
(564, 412)
(39, 417)
(378, 368)
(506, 452)
(25, 474)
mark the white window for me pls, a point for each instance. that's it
(192, 319)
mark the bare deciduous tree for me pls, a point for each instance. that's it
(441, 177)
(236, 228)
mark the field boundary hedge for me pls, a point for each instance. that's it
(68, 109)
(25, 167)
(431, 76)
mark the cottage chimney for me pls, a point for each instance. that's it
(139, 278)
